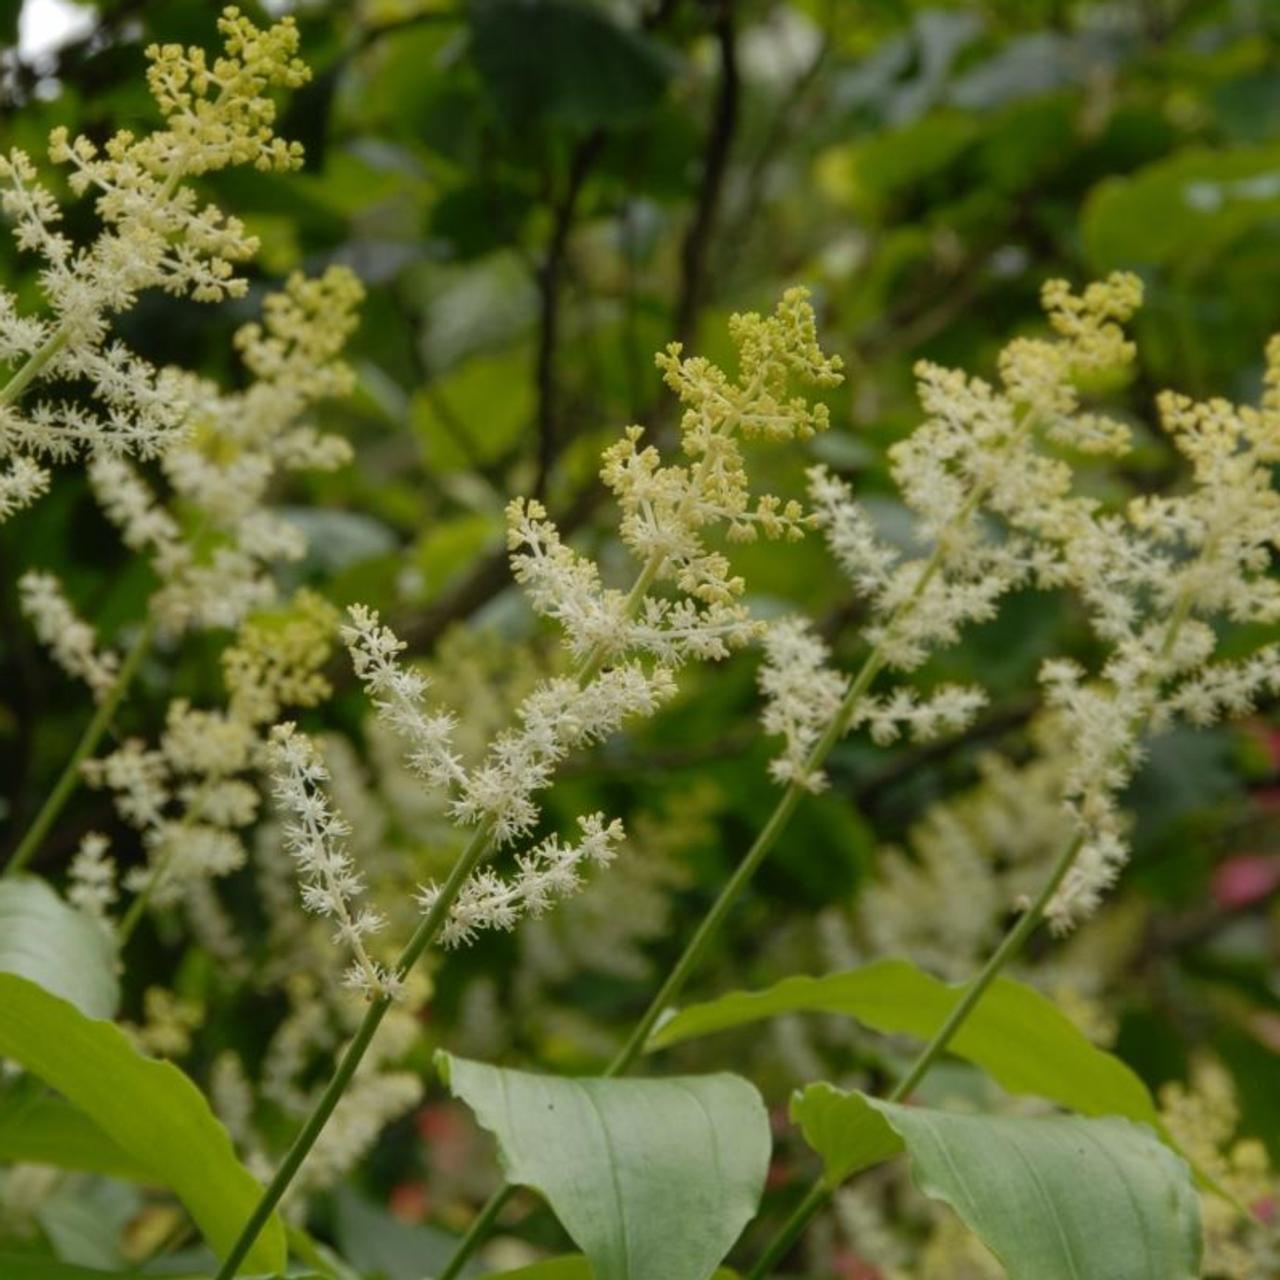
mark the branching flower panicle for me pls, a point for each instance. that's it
(316, 837)
(67, 636)
(155, 233)
(193, 795)
(214, 559)
(1160, 582)
(977, 455)
(685, 605)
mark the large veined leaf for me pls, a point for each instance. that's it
(1015, 1034)
(587, 71)
(376, 1244)
(149, 1109)
(44, 939)
(1057, 1198)
(19, 1267)
(44, 1129)
(574, 1266)
(1182, 209)
(653, 1179)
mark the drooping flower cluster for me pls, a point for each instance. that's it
(155, 234)
(625, 645)
(1160, 581)
(214, 558)
(311, 1032)
(316, 837)
(1204, 1117)
(65, 634)
(979, 454)
(193, 795)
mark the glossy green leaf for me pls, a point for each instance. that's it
(653, 1179)
(1020, 1038)
(574, 1266)
(1181, 209)
(53, 944)
(149, 1109)
(18, 1267)
(588, 71)
(1057, 1198)
(376, 1244)
(47, 1130)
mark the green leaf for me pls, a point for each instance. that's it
(573, 1266)
(1060, 1198)
(653, 1179)
(870, 174)
(19, 1268)
(46, 1130)
(377, 1244)
(53, 944)
(476, 413)
(588, 70)
(1184, 209)
(149, 1109)
(1015, 1034)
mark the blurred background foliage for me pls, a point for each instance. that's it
(539, 193)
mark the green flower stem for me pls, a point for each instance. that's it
(477, 849)
(131, 918)
(34, 365)
(703, 936)
(1010, 946)
(693, 954)
(426, 932)
(1012, 943)
(478, 1231)
(69, 779)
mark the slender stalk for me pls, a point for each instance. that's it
(697, 947)
(129, 922)
(34, 365)
(131, 918)
(477, 849)
(69, 778)
(478, 1231)
(1010, 946)
(800, 1218)
(760, 849)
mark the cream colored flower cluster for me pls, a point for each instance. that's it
(625, 645)
(156, 233)
(998, 507)
(72, 641)
(309, 1035)
(980, 453)
(1161, 581)
(193, 795)
(213, 560)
